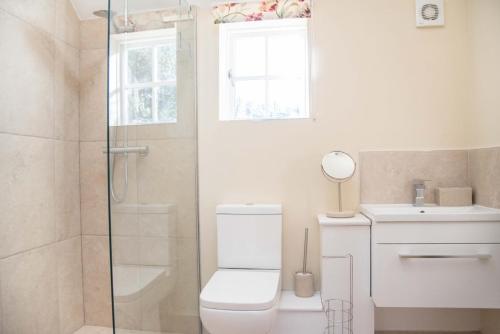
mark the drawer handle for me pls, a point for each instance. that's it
(479, 256)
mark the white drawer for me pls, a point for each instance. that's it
(436, 275)
(436, 232)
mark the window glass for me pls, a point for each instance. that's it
(249, 56)
(145, 72)
(167, 104)
(286, 98)
(140, 65)
(250, 99)
(287, 55)
(140, 105)
(167, 62)
(264, 70)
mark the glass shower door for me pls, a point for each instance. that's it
(152, 167)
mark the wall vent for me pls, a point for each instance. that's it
(430, 13)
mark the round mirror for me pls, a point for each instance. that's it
(338, 166)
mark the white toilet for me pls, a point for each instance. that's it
(243, 295)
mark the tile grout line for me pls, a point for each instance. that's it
(8, 133)
(84, 315)
(37, 247)
(41, 30)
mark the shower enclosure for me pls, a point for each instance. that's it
(152, 159)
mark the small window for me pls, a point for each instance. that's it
(147, 78)
(264, 70)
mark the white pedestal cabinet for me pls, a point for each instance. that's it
(340, 237)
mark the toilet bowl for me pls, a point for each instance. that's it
(242, 297)
(240, 301)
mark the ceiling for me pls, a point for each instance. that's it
(85, 8)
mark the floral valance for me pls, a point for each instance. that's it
(261, 10)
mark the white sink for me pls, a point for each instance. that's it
(410, 213)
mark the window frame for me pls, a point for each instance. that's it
(228, 34)
(154, 39)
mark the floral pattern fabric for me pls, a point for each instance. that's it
(261, 10)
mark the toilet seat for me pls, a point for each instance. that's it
(242, 290)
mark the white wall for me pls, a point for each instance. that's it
(378, 83)
(484, 33)
(370, 66)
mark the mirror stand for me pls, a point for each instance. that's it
(340, 213)
(339, 167)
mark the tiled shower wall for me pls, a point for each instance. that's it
(93, 174)
(40, 239)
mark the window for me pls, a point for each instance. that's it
(147, 78)
(264, 70)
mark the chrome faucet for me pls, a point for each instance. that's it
(419, 186)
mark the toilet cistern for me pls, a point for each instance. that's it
(243, 295)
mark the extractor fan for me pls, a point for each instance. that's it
(430, 13)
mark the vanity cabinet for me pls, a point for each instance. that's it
(436, 264)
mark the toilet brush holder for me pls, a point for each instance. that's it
(304, 285)
(304, 281)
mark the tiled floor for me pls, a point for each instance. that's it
(107, 330)
(397, 332)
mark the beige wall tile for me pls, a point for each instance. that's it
(93, 34)
(66, 92)
(93, 189)
(29, 292)
(67, 23)
(67, 189)
(124, 174)
(168, 175)
(490, 321)
(184, 128)
(126, 250)
(187, 290)
(129, 316)
(93, 95)
(96, 280)
(484, 165)
(39, 13)
(387, 177)
(70, 285)
(178, 311)
(27, 59)
(125, 224)
(158, 225)
(157, 251)
(27, 183)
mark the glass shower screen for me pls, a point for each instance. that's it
(152, 166)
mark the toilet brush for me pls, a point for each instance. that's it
(304, 281)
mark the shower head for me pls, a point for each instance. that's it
(102, 13)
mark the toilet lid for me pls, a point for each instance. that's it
(242, 290)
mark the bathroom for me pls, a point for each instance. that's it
(123, 181)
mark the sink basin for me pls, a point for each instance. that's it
(410, 213)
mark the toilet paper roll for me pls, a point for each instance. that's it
(304, 285)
